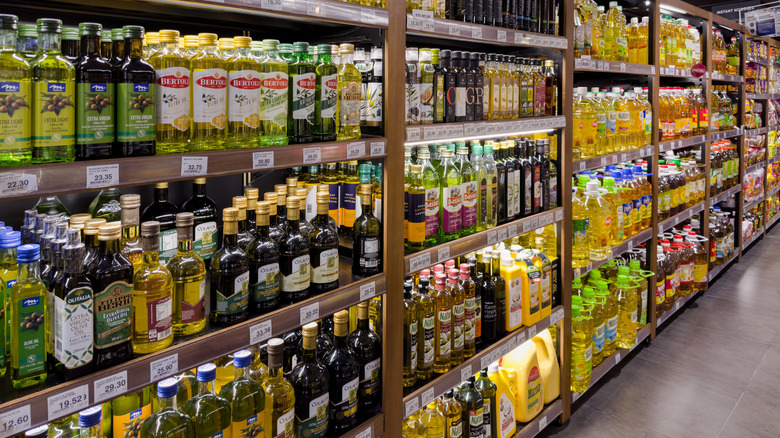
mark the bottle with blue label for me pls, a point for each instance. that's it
(15, 111)
(136, 112)
(28, 313)
(209, 412)
(95, 98)
(246, 398)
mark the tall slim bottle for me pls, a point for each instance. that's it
(135, 92)
(368, 348)
(280, 396)
(16, 120)
(172, 95)
(325, 95)
(491, 180)
(264, 276)
(130, 241)
(443, 326)
(209, 96)
(470, 310)
(411, 330)
(243, 88)
(458, 317)
(274, 96)
(246, 399)
(490, 410)
(189, 281)
(294, 258)
(426, 315)
(209, 412)
(309, 379)
(343, 376)
(324, 251)
(28, 318)
(164, 212)
(229, 276)
(152, 297)
(300, 125)
(367, 251)
(472, 404)
(469, 193)
(450, 214)
(349, 96)
(489, 301)
(204, 242)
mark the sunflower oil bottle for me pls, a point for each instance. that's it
(580, 224)
(581, 350)
(633, 40)
(627, 313)
(610, 312)
(599, 214)
(719, 53)
(585, 10)
(623, 123)
(615, 35)
(733, 57)
(597, 321)
(616, 206)
(645, 116)
(610, 137)
(585, 125)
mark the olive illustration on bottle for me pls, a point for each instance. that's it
(140, 102)
(31, 322)
(55, 103)
(97, 102)
(11, 102)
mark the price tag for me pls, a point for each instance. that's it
(310, 313)
(439, 132)
(426, 20)
(484, 362)
(412, 134)
(110, 387)
(454, 30)
(492, 238)
(367, 16)
(534, 223)
(367, 291)
(622, 157)
(194, 166)
(102, 176)
(527, 226)
(420, 262)
(518, 38)
(575, 395)
(617, 357)
(679, 144)
(554, 318)
(559, 215)
(531, 331)
(501, 36)
(367, 433)
(622, 67)
(443, 254)
(15, 421)
(411, 407)
(630, 245)
(274, 5)
(165, 367)
(476, 32)
(356, 150)
(455, 131)
(260, 332)
(509, 346)
(17, 183)
(603, 161)
(520, 338)
(430, 132)
(676, 306)
(312, 155)
(512, 230)
(542, 423)
(581, 166)
(68, 402)
(262, 160)
(481, 128)
(466, 372)
(314, 8)
(652, 69)
(470, 129)
(427, 396)
(502, 235)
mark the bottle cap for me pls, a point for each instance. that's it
(91, 416)
(341, 316)
(242, 42)
(239, 202)
(207, 372)
(346, 48)
(40, 431)
(310, 329)
(133, 32)
(323, 197)
(263, 207)
(242, 359)
(184, 220)
(300, 47)
(90, 29)
(109, 231)
(167, 388)
(10, 239)
(9, 22)
(206, 39)
(91, 226)
(150, 229)
(230, 214)
(251, 193)
(293, 203)
(161, 185)
(79, 218)
(323, 49)
(169, 36)
(130, 201)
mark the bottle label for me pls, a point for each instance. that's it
(328, 87)
(699, 273)
(429, 331)
(412, 97)
(346, 406)
(458, 314)
(160, 318)
(317, 422)
(581, 364)
(686, 273)
(451, 220)
(544, 287)
(250, 427)
(460, 102)
(205, 243)
(303, 97)
(470, 320)
(73, 328)
(371, 373)
(169, 240)
(426, 99)
(95, 118)
(209, 97)
(611, 330)
(374, 96)
(31, 343)
(238, 301)
(431, 212)
(514, 299)
(16, 119)
(486, 419)
(370, 257)
(410, 352)
(333, 202)
(349, 105)
(511, 193)
(129, 424)
(537, 187)
(54, 125)
(193, 302)
(598, 339)
(113, 314)
(506, 416)
(285, 427)
(580, 228)
(136, 112)
(347, 204)
(173, 97)
(328, 270)
(475, 423)
(299, 278)
(273, 104)
(455, 429)
(445, 328)
(244, 97)
(416, 231)
(267, 286)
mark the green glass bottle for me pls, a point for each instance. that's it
(71, 44)
(273, 96)
(344, 378)
(300, 124)
(451, 180)
(244, 79)
(28, 320)
(229, 276)
(168, 421)
(324, 250)
(63, 428)
(106, 205)
(347, 198)
(16, 116)
(245, 236)
(367, 238)
(472, 404)
(411, 328)
(490, 413)
(117, 48)
(325, 95)
(54, 93)
(309, 379)
(189, 281)
(136, 114)
(205, 210)
(264, 276)
(280, 396)
(90, 422)
(246, 398)
(209, 412)
(95, 119)
(431, 182)
(294, 260)
(368, 348)
(427, 317)
(27, 43)
(349, 95)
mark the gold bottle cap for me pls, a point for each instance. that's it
(299, 192)
(352, 163)
(281, 189)
(152, 38)
(226, 44)
(341, 316)
(239, 201)
(293, 203)
(150, 229)
(242, 42)
(131, 201)
(200, 181)
(252, 193)
(310, 329)
(346, 48)
(110, 231)
(79, 219)
(271, 197)
(207, 39)
(169, 36)
(93, 225)
(263, 207)
(301, 195)
(416, 168)
(190, 41)
(334, 50)
(363, 310)
(323, 188)
(230, 214)
(292, 181)
(161, 185)
(366, 189)
(323, 198)
(184, 220)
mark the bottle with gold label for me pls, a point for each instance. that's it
(189, 281)
(130, 242)
(205, 214)
(368, 348)
(294, 257)
(246, 398)
(343, 376)
(309, 379)
(209, 96)
(273, 96)
(244, 83)
(172, 94)
(152, 300)
(280, 396)
(349, 95)
(264, 276)
(209, 412)
(324, 250)
(16, 120)
(229, 276)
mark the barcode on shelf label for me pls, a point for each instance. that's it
(194, 166)
(520, 338)
(617, 357)
(367, 291)
(466, 372)
(484, 362)
(427, 396)
(17, 183)
(559, 215)
(476, 32)
(377, 148)
(411, 406)
(312, 155)
(443, 254)
(15, 421)
(531, 331)
(511, 230)
(310, 313)
(356, 150)
(542, 423)
(102, 176)
(165, 367)
(68, 402)
(260, 332)
(454, 29)
(274, 5)
(367, 433)
(110, 387)
(502, 235)
(501, 36)
(262, 160)
(422, 261)
(492, 237)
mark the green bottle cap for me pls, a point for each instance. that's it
(28, 30)
(577, 283)
(575, 311)
(576, 300)
(582, 180)
(105, 37)
(300, 47)
(323, 49)
(90, 29)
(476, 150)
(49, 25)
(587, 292)
(8, 22)
(270, 45)
(623, 270)
(622, 280)
(117, 34)
(488, 148)
(133, 32)
(609, 181)
(635, 265)
(285, 48)
(595, 275)
(601, 285)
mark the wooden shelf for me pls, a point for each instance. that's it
(725, 195)
(619, 157)
(680, 217)
(736, 132)
(714, 272)
(421, 134)
(537, 425)
(671, 145)
(627, 245)
(681, 301)
(598, 66)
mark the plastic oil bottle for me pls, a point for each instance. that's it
(598, 213)
(641, 277)
(531, 287)
(513, 276)
(627, 304)
(580, 225)
(597, 321)
(581, 350)
(505, 398)
(610, 315)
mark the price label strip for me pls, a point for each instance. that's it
(260, 332)
(15, 421)
(367, 291)
(68, 402)
(419, 262)
(356, 150)
(12, 184)
(262, 160)
(102, 176)
(312, 155)
(310, 313)
(110, 387)
(165, 367)
(194, 166)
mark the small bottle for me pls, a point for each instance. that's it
(135, 90)
(172, 95)
(246, 398)
(367, 232)
(28, 318)
(280, 396)
(344, 376)
(294, 257)
(300, 125)
(152, 300)
(189, 281)
(209, 96)
(130, 241)
(309, 379)
(273, 96)
(325, 95)
(168, 421)
(205, 219)
(411, 330)
(323, 244)
(368, 348)
(349, 96)
(209, 412)
(229, 276)
(90, 422)
(264, 276)
(16, 119)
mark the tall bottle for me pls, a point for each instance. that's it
(168, 421)
(172, 95)
(300, 124)
(309, 379)
(450, 215)
(204, 209)
(582, 351)
(411, 337)
(17, 118)
(347, 197)
(367, 247)
(274, 99)
(189, 281)
(264, 273)
(28, 312)
(443, 326)
(349, 96)
(135, 91)
(368, 348)
(245, 397)
(472, 405)
(323, 244)
(54, 91)
(489, 218)
(152, 297)
(426, 315)
(243, 88)
(164, 212)
(245, 236)
(375, 93)
(229, 276)
(130, 242)
(343, 376)
(325, 95)
(294, 258)
(209, 412)
(280, 396)
(209, 96)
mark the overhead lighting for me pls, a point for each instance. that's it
(474, 137)
(672, 9)
(726, 27)
(647, 2)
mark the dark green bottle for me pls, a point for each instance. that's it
(325, 95)
(264, 275)
(135, 115)
(309, 379)
(300, 126)
(95, 99)
(294, 262)
(472, 406)
(246, 398)
(324, 250)
(344, 378)
(367, 233)
(489, 409)
(229, 276)
(368, 348)
(205, 211)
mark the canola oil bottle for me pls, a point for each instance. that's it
(597, 320)
(640, 276)
(627, 313)
(610, 315)
(600, 218)
(513, 276)
(529, 393)
(580, 225)
(548, 364)
(581, 350)
(531, 287)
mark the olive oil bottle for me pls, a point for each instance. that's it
(168, 420)
(295, 259)
(189, 281)
(16, 116)
(347, 197)
(28, 319)
(472, 405)
(209, 96)
(273, 96)
(368, 348)
(172, 95)
(324, 250)
(349, 95)
(163, 211)
(426, 346)
(96, 98)
(152, 297)
(411, 330)
(325, 95)
(246, 398)
(245, 237)
(204, 242)
(209, 412)
(54, 94)
(309, 379)
(344, 378)
(300, 123)
(264, 274)
(367, 238)
(229, 276)
(127, 413)
(135, 91)
(244, 83)
(280, 396)
(130, 242)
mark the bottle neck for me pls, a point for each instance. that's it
(324, 59)
(199, 189)
(205, 387)
(90, 45)
(109, 246)
(362, 323)
(151, 247)
(242, 373)
(49, 42)
(134, 48)
(161, 195)
(229, 234)
(310, 349)
(30, 270)
(346, 58)
(184, 235)
(168, 403)
(367, 206)
(7, 40)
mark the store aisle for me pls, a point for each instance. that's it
(712, 371)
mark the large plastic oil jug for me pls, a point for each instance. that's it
(532, 291)
(529, 389)
(548, 365)
(505, 401)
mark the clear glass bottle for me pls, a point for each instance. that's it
(229, 276)
(209, 412)
(273, 96)
(135, 91)
(264, 274)
(325, 95)
(16, 116)
(90, 422)
(28, 312)
(244, 84)
(280, 396)
(349, 96)
(152, 297)
(172, 95)
(246, 398)
(168, 421)
(189, 281)
(209, 96)
(130, 242)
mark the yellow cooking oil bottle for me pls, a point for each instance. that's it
(505, 401)
(581, 350)
(513, 276)
(548, 365)
(640, 276)
(531, 287)
(600, 227)
(627, 305)
(529, 395)
(542, 262)
(610, 315)
(597, 321)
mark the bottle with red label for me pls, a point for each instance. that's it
(209, 96)
(172, 95)
(243, 89)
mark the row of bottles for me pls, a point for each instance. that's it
(457, 193)
(526, 15)
(680, 45)
(724, 166)
(607, 36)
(452, 308)
(610, 122)
(726, 59)
(721, 238)
(497, 399)
(684, 112)
(682, 267)
(681, 186)
(445, 86)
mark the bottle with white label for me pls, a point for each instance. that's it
(325, 95)
(309, 379)
(164, 212)
(324, 250)
(229, 276)
(243, 88)
(172, 96)
(204, 242)
(349, 95)
(263, 254)
(209, 96)
(300, 123)
(152, 297)
(368, 348)
(189, 281)
(294, 261)
(279, 394)
(274, 99)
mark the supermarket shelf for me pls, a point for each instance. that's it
(757, 131)
(439, 253)
(696, 140)
(746, 244)
(627, 245)
(420, 396)
(681, 301)
(726, 78)
(594, 65)
(620, 157)
(673, 72)
(758, 61)
(757, 96)
(538, 424)
(772, 191)
(750, 205)
(714, 272)
(754, 167)
(143, 371)
(725, 195)
(423, 23)
(420, 134)
(772, 221)
(49, 179)
(736, 132)
(373, 427)
(610, 362)
(676, 219)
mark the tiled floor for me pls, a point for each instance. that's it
(712, 371)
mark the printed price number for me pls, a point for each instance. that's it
(356, 150)
(165, 367)
(512, 230)
(509, 346)
(312, 155)
(466, 372)
(17, 183)
(194, 166)
(420, 262)
(518, 38)
(484, 362)
(262, 160)
(559, 215)
(377, 148)
(68, 402)
(310, 313)
(492, 237)
(15, 421)
(556, 316)
(412, 134)
(454, 30)
(274, 5)
(426, 20)
(102, 176)
(443, 253)
(427, 396)
(502, 234)
(260, 332)
(411, 407)
(110, 387)
(367, 291)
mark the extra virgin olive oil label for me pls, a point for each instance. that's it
(431, 212)
(328, 270)
(476, 429)
(298, 278)
(458, 314)
(347, 204)
(274, 97)
(192, 303)
(55, 122)
(445, 327)
(173, 97)
(168, 245)
(135, 115)
(15, 115)
(247, 428)
(267, 286)
(411, 352)
(129, 424)
(371, 382)
(317, 422)
(347, 405)
(159, 318)
(209, 97)
(303, 97)
(238, 301)
(96, 116)
(73, 323)
(329, 84)
(351, 96)
(113, 314)
(31, 343)
(244, 97)
(205, 243)
(285, 425)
